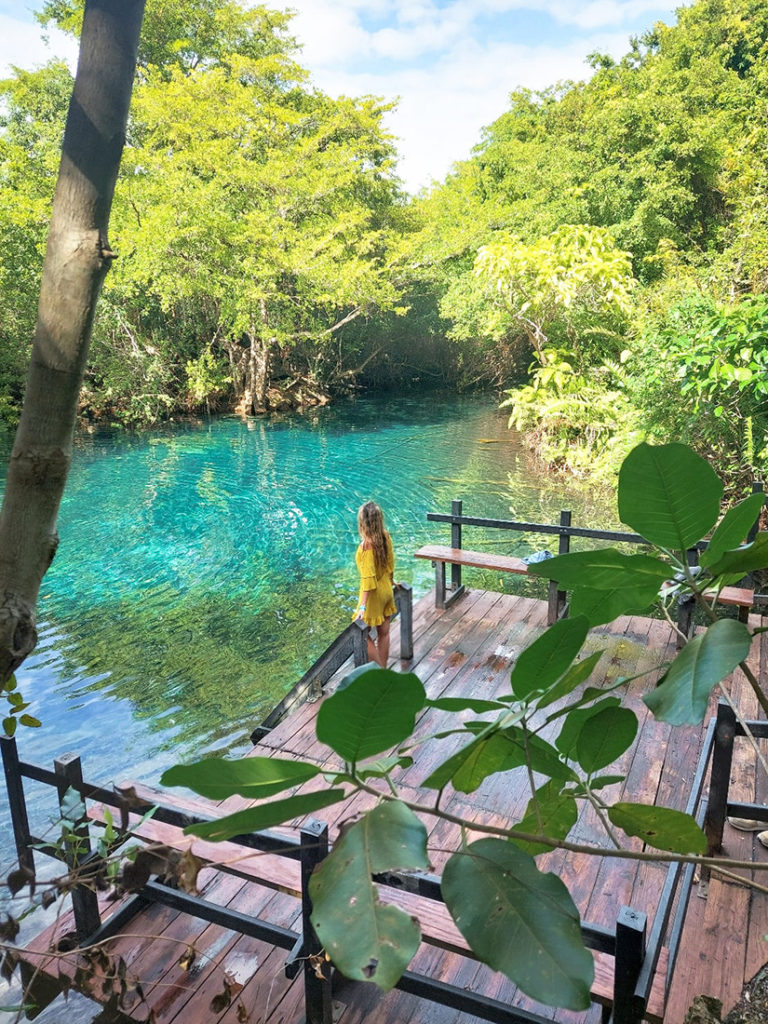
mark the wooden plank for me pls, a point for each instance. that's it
(467, 649)
(757, 947)
(187, 994)
(271, 870)
(741, 597)
(719, 940)
(476, 559)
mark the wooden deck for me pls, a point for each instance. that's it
(466, 650)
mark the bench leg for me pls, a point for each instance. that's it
(630, 953)
(318, 1004)
(439, 584)
(685, 607)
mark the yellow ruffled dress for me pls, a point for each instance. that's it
(381, 600)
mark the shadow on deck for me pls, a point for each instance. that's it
(465, 650)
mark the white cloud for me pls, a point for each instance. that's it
(451, 80)
(21, 45)
(451, 75)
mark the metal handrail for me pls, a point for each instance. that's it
(350, 643)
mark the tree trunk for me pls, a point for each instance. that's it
(76, 260)
(256, 376)
(257, 368)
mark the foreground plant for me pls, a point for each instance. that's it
(516, 918)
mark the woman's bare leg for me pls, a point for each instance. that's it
(373, 654)
(383, 643)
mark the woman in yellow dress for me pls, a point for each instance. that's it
(376, 564)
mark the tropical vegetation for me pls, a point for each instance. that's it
(493, 886)
(600, 258)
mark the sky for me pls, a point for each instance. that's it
(450, 64)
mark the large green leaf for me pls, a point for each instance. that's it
(266, 815)
(575, 721)
(456, 704)
(604, 737)
(550, 813)
(574, 677)
(606, 569)
(365, 939)
(599, 606)
(545, 660)
(659, 827)
(255, 777)
(733, 528)
(383, 766)
(467, 768)
(669, 494)
(520, 921)
(543, 757)
(497, 751)
(683, 694)
(375, 711)
(744, 559)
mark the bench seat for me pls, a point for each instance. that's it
(442, 555)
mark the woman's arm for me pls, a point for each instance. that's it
(361, 607)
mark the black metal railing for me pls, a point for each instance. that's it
(564, 531)
(350, 643)
(727, 729)
(635, 950)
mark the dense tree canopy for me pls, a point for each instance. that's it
(268, 256)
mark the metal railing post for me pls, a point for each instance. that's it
(17, 802)
(630, 953)
(456, 507)
(404, 602)
(317, 988)
(85, 902)
(557, 598)
(360, 643)
(687, 604)
(719, 779)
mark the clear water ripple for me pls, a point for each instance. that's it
(203, 567)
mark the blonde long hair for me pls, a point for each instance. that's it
(370, 524)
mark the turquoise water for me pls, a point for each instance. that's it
(202, 568)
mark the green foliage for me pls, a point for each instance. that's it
(579, 420)
(520, 921)
(703, 379)
(255, 217)
(376, 710)
(655, 488)
(733, 528)
(660, 827)
(604, 737)
(572, 282)
(206, 378)
(17, 707)
(365, 938)
(683, 692)
(255, 778)
(516, 918)
(545, 661)
(550, 812)
(265, 815)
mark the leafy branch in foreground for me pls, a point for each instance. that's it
(551, 723)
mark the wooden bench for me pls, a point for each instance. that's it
(283, 874)
(442, 555)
